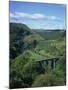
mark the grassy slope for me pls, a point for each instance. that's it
(45, 50)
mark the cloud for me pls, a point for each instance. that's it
(35, 16)
(30, 16)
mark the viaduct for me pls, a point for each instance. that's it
(51, 62)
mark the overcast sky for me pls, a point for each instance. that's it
(38, 15)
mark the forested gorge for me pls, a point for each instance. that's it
(26, 47)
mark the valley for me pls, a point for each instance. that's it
(27, 46)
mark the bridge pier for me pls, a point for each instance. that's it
(53, 64)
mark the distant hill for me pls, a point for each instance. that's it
(51, 34)
(21, 37)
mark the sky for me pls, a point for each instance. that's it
(38, 15)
